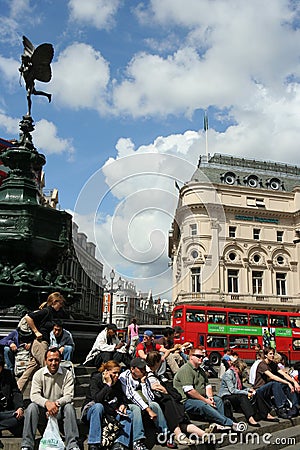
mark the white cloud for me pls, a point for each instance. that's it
(140, 187)
(19, 7)
(9, 124)
(80, 77)
(47, 140)
(9, 71)
(97, 13)
(226, 49)
(45, 135)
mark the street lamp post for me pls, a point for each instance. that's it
(111, 290)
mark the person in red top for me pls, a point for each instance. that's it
(148, 345)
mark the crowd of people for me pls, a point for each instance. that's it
(130, 390)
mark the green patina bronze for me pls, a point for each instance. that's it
(34, 237)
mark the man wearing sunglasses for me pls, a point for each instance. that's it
(191, 382)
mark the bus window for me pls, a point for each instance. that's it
(177, 313)
(216, 317)
(201, 340)
(259, 320)
(200, 316)
(216, 341)
(253, 341)
(280, 321)
(237, 318)
(296, 344)
(195, 315)
(295, 322)
(238, 341)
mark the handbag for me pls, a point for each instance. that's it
(110, 431)
(173, 392)
(22, 359)
(51, 439)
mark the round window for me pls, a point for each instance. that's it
(280, 259)
(274, 184)
(229, 178)
(256, 258)
(195, 254)
(252, 181)
(232, 256)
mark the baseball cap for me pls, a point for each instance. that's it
(148, 333)
(140, 363)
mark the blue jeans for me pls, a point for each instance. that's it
(273, 389)
(9, 358)
(95, 415)
(208, 412)
(125, 428)
(138, 431)
(292, 396)
(67, 353)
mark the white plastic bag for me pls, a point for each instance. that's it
(51, 438)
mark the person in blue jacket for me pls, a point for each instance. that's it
(62, 339)
(11, 344)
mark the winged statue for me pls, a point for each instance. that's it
(36, 66)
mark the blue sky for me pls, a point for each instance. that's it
(131, 81)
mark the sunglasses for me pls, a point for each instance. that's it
(198, 356)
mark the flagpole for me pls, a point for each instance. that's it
(206, 134)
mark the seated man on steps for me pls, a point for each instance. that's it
(51, 394)
(107, 347)
(191, 382)
(135, 385)
(62, 339)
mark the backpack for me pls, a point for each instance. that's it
(22, 359)
(23, 327)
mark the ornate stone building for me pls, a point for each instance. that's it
(235, 238)
(84, 272)
(128, 303)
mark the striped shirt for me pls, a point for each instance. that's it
(131, 387)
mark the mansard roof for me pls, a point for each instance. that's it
(230, 170)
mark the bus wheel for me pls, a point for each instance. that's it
(215, 358)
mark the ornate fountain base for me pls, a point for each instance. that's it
(34, 237)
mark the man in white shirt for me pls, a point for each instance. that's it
(52, 393)
(105, 347)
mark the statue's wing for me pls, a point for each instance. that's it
(41, 60)
(28, 47)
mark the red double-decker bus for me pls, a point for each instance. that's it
(239, 329)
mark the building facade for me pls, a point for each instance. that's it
(235, 238)
(129, 303)
(84, 272)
